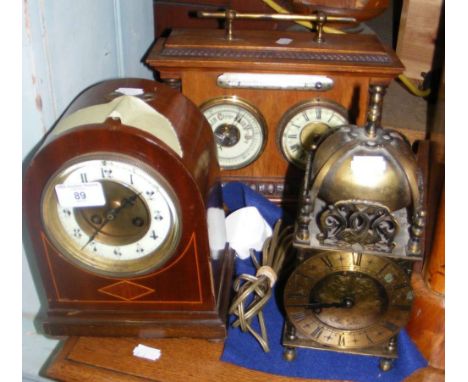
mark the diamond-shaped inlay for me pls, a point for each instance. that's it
(126, 290)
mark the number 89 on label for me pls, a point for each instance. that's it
(80, 195)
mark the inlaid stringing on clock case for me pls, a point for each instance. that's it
(187, 295)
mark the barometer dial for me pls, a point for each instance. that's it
(239, 131)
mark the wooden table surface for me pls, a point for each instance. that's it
(87, 359)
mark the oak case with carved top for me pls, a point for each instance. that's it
(140, 261)
(274, 72)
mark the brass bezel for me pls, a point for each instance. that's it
(240, 102)
(299, 108)
(104, 266)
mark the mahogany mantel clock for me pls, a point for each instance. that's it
(267, 94)
(122, 203)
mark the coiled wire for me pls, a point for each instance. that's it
(254, 292)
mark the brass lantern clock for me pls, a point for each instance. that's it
(363, 191)
(359, 230)
(122, 205)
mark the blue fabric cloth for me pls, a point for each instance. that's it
(237, 195)
(242, 349)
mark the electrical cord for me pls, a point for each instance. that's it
(254, 292)
(307, 24)
(404, 79)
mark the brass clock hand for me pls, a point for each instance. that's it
(345, 303)
(111, 214)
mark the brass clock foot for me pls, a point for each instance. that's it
(289, 354)
(386, 364)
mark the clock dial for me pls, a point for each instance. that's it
(348, 300)
(306, 122)
(239, 131)
(121, 217)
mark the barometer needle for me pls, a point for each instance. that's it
(238, 117)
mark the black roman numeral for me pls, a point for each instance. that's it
(106, 172)
(294, 148)
(382, 269)
(327, 261)
(298, 316)
(341, 341)
(318, 113)
(357, 258)
(317, 332)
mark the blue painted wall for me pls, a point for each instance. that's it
(68, 45)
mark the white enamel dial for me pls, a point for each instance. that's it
(239, 131)
(135, 229)
(304, 123)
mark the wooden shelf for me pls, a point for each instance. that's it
(86, 359)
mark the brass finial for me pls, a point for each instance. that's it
(321, 20)
(374, 113)
(230, 16)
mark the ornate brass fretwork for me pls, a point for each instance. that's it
(347, 223)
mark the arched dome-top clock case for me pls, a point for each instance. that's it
(141, 256)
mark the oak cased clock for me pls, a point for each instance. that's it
(294, 85)
(123, 206)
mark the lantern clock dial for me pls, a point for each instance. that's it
(348, 300)
(304, 123)
(111, 215)
(239, 131)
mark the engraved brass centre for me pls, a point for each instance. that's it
(368, 297)
(122, 220)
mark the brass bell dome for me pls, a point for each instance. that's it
(363, 190)
(357, 166)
